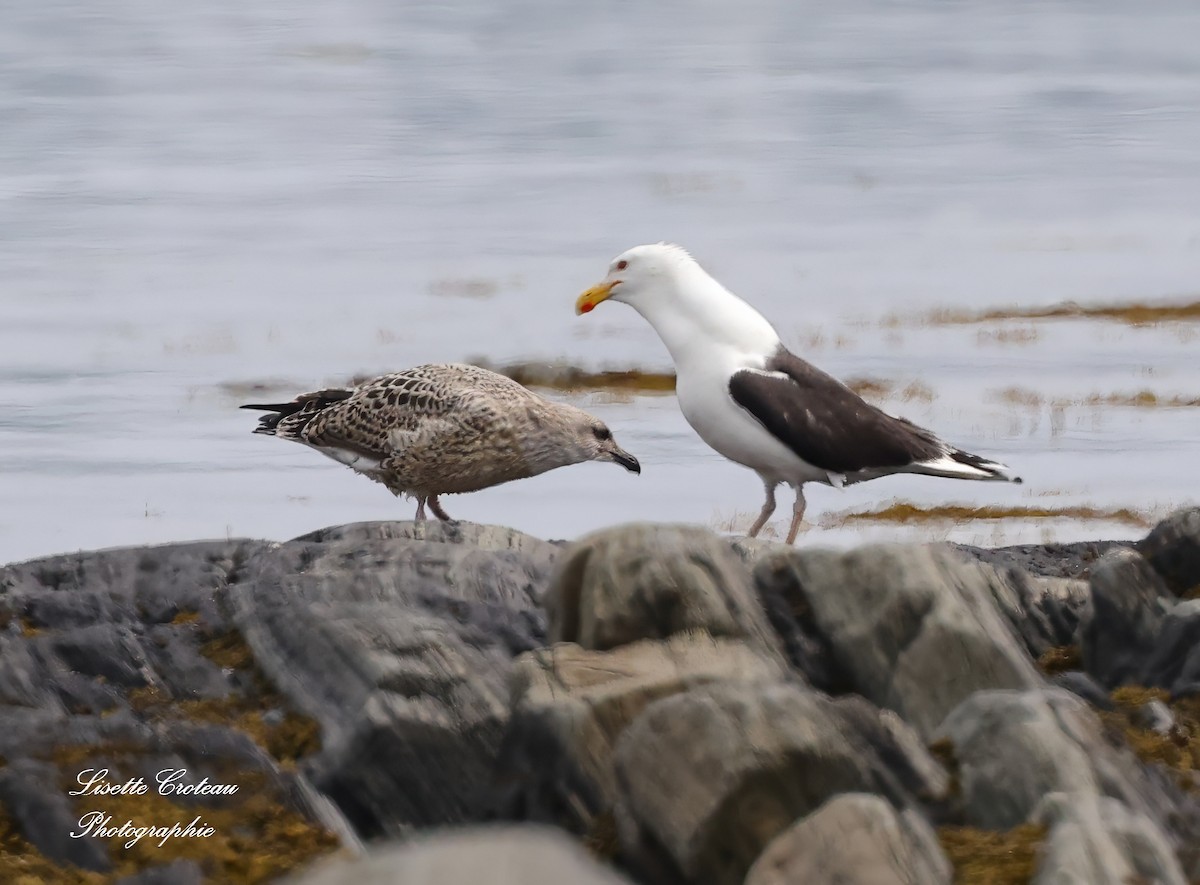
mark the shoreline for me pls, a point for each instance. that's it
(339, 694)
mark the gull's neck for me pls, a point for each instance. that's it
(698, 320)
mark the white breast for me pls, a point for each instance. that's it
(702, 388)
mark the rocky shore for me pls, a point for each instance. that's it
(429, 703)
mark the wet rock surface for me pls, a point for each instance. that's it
(650, 704)
(571, 705)
(709, 777)
(1130, 601)
(123, 665)
(913, 629)
(398, 639)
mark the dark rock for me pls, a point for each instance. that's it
(398, 638)
(1099, 841)
(90, 676)
(1173, 549)
(897, 746)
(854, 837)
(1079, 683)
(159, 582)
(571, 705)
(911, 628)
(1174, 659)
(640, 581)
(25, 731)
(1073, 560)
(499, 855)
(104, 650)
(86, 695)
(23, 678)
(1129, 603)
(792, 620)
(180, 667)
(76, 608)
(1043, 612)
(30, 793)
(708, 777)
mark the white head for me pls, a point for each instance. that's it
(643, 276)
(680, 300)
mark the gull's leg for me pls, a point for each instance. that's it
(437, 509)
(797, 514)
(420, 517)
(767, 509)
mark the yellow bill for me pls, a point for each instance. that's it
(593, 296)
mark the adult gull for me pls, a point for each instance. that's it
(759, 404)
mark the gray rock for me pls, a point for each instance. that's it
(571, 705)
(1013, 748)
(180, 668)
(23, 681)
(86, 634)
(1100, 841)
(1173, 549)
(108, 651)
(25, 731)
(77, 608)
(490, 538)
(800, 637)
(135, 582)
(911, 628)
(1174, 660)
(398, 638)
(854, 837)
(29, 791)
(1044, 612)
(75, 641)
(642, 581)
(1079, 683)
(709, 777)
(1129, 603)
(86, 695)
(500, 855)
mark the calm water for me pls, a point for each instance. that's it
(194, 197)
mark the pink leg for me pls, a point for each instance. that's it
(436, 507)
(767, 509)
(797, 515)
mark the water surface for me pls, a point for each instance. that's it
(193, 197)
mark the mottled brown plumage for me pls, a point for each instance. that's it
(442, 429)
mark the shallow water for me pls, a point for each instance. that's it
(300, 192)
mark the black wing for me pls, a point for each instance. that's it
(825, 422)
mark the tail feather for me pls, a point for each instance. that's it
(957, 464)
(304, 407)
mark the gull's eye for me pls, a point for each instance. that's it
(622, 264)
(602, 433)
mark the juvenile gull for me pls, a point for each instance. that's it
(757, 403)
(442, 429)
